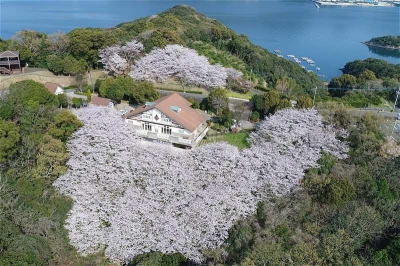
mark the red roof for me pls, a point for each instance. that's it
(51, 86)
(99, 101)
(187, 117)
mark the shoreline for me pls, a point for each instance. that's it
(380, 46)
(362, 4)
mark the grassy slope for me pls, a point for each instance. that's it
(236, 139)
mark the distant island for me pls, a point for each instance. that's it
(386, 42)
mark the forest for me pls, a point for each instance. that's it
(366, 82)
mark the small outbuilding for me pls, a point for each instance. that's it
(54, 88)
(100, 101)
(9, 62)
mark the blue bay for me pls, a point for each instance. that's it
(331, 36)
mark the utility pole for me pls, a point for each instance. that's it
(315, 92)
(394, 109)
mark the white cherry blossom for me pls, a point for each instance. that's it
(132, 196)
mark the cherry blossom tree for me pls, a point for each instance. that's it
(132, 196)
(117, 59)
(181, 63)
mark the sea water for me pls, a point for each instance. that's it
(330, 35)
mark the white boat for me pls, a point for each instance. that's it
(291, 56)
(304, 58)
(297, 60)
(277, 51)
(317, 68)
(279, 55)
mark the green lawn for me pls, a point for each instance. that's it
(246, 96)
(236, 139)
(174, 85)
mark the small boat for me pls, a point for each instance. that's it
(291, 56)
(304, 58)
(279, 55)
(297, 60)
(318, 69)
(309, 71)
(316, 5)
(303, 67)
(277, 51)
(312, 64)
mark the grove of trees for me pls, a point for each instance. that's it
(33, 153)
(131, 196)
(124, 87)
(184, 64)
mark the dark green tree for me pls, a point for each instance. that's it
(304, 102)
(9, 139)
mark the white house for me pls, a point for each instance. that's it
(54, 88)
(169, 119)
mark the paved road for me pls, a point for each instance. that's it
(70, 93)
(379, 113)
(200, 97)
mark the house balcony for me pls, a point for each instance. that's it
(174, 138)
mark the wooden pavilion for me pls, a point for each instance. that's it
(9, 62)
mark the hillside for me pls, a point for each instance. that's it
(182, 24)
(72, 53)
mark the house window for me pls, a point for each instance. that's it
(166, 130)
(166, 120)
(146, 126)
(146, 116)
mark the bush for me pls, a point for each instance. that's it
(255, 116)
(77, 102)
(304, 102)
(62, 100)
(195, 103)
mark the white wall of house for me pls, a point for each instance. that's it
(156, 125)
(156, 122)
(59, 90)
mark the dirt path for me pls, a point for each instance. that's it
(43, 76)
